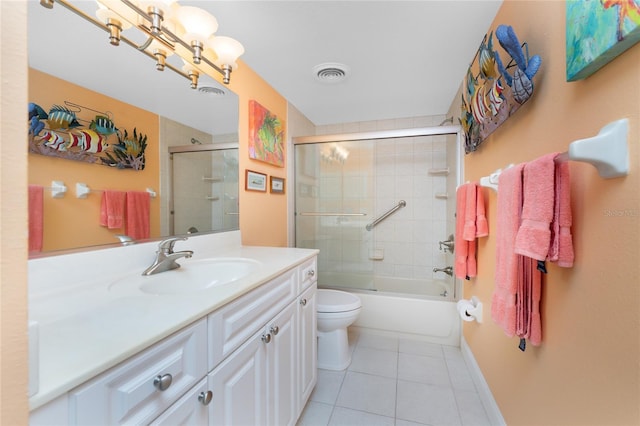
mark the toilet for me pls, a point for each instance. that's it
(336, 311)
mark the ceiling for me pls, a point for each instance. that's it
(405, 58)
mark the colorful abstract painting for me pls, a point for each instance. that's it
(266, 135)
(597, 32)
(496, 85)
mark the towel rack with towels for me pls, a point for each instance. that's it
(83, 190)
(608, 152)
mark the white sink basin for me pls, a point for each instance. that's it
(192, 276)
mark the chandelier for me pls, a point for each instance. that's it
(169, 28)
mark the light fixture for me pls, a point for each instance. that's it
(198, 25)
(228, 51)
(169, 28)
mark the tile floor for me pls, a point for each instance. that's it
(394, 380)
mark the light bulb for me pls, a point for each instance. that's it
(112, 20)
(228, 51)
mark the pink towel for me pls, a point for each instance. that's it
(503, 300)
(534, 236)
(461, 247)
(36, 218)
(561, 247)
(137, 224)
(112, 209)
(469, 231)
(482, 226)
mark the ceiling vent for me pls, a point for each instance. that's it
(331, 72)
(211, 91)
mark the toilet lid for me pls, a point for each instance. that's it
(337, 301)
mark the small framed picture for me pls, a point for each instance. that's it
(277, 185)
(255, 181)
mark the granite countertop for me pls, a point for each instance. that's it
(86, 327)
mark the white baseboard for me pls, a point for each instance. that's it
(490, 405)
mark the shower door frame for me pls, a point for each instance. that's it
(379, 135)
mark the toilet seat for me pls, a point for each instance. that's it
(337, 301)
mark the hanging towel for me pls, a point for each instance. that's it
(112, 209)
(469, 230)
(561, 248)
(36, 218)
(503, 300)
(137, 224)
(482, 226)
(534, 236)
(461, 247)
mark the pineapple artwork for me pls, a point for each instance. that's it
(266, 135)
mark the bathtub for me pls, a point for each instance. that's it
(403, 306)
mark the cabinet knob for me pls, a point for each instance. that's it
(205, 397)
(274, 330)
(303, 302)
(311, 273)
(162, 381)
(266, 338)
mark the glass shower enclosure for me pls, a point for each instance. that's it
(376, 206)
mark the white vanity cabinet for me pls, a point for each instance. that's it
(249, 362)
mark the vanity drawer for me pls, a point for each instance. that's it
(233, 324)
(308, 273)
(128, 394)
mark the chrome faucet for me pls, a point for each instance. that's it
(448, 270)
(448, 244)
(166, 257)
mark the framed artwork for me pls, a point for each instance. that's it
(497, 83)
(255, 181)
(277, 185)
(266, 135)
(597, 32)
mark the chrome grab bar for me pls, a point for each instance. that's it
(397, 207)
(330, 214)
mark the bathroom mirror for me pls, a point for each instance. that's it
(68, 47)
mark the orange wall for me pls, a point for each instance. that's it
(586, 371)
(71, 222)
(263, 216)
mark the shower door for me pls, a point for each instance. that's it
(334, 203)
(204, 189)
(344, 186)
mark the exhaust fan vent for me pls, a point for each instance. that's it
(331, 72)
(212, 91)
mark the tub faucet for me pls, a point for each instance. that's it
(448, 270)
(166, 258)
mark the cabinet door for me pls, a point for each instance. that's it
(307, 344)
(239, 386)
(188, 410)
(282, 391)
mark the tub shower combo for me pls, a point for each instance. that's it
(379, 207)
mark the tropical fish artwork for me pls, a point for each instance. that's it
(493, 92)
(59, 133)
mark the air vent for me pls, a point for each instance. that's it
(211, 91)
(331, 72)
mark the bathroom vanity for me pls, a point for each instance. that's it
(238, 352)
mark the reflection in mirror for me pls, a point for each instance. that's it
(204, 188)
(66, 47)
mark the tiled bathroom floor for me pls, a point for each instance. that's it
(394, 380)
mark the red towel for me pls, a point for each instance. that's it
(561, 247)
(112, 209)
(503, 300)
(461, 247)
(137, 224)
(534, 236)
(36, 218)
